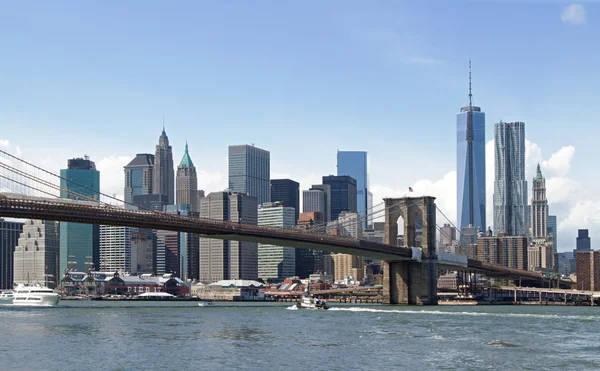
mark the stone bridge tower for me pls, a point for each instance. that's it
(413, 281)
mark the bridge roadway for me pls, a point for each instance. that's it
(64, 210)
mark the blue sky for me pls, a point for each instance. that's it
(302, 79)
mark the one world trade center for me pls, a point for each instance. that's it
(470, 165)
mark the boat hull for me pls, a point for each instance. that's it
(37, 301)
(311, 306)
(6, 301)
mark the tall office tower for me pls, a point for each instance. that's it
(354, 164)
(250, 172)
(346, 265)
(539, 207)
(308, 260)
(553, 231)
(510, 186)
(348, 224)
(223, 259)
(326, 189)
(470, 165)
(164, 174)
(343, 194)
(588, 270)
(369, 208)
(314, 200)
(286, 191)
(36, 254)
(143, 246)
(9, 238)
(276, 263)
(167, 252)
(138, 177)
(115, 248)
(79, 243)
(583, 242)
(189, 247)
(187, 182)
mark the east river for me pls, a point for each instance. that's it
(86, 335)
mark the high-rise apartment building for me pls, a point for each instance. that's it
(164, 173)
(510, 186)
(9, 239)
(115, 248)
(36, 254)
(275, 263)
(187, 182)
(250, 172)
(79, 243)
(224, 259)
(470, 165)
(508, 251)
(287, 192)
(539, 207)
(343, 194)
(138, 177)
(588, 270)
(354, 164)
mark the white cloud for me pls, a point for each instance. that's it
(4, 143)
(574, 14)
(112, 175)
(211, 182)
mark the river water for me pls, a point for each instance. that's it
(80, 335)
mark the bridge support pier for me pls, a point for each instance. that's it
(411, 282)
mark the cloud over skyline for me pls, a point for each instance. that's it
(573, 14)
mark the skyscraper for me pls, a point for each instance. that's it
(343, 194)
(187, 182)
(553, 229)
(224, 259)
(138, 177)
(510, 186)
(583, 242)
(470, 165)
(354, 164)
(286, 191)
(309, 206)
(539, 207)
(115, 248)
(314, 200)
(276, 263)
(9, 238)
(79, 243)
(250, 172)
(164, 174)
(36, 254)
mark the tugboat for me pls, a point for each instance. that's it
(310, 302)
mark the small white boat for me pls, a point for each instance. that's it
(206, 303)
(6, 297)
(36, 295)
(310, 302)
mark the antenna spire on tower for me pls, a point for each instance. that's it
(470, 93)
(164, 120)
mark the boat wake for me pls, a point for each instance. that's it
(476, 314)
(293, 307)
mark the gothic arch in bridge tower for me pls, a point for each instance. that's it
(415, 281)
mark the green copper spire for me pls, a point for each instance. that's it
(186, 161)
(538, 175)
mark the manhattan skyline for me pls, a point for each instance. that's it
(364, 83)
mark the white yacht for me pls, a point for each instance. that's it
(6, 297)
(310, 302)
(206, 303)
(35, 295)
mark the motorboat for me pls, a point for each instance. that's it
(310, 302)
(206, 303)
(6, 297)
(36, 295)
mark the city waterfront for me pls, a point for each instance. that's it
(180, 335)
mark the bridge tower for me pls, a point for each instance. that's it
(411, 282)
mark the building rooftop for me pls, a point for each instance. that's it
(186, 160)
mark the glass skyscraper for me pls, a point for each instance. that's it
(343, 194)
(138, 177)
(9, 239)
(79, 243)
(250, 172)
(510, 186)
(286, 191)
(470, 165)
(354, 164)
